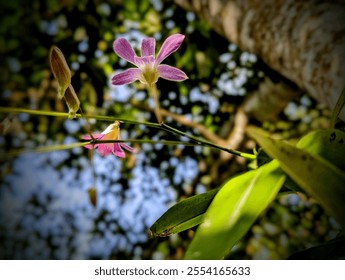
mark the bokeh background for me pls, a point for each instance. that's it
(45, 206)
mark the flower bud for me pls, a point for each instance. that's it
(60, 70)
(72, 101)
(92, 195)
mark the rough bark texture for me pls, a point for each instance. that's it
(303, 40)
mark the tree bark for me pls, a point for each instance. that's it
(302, 40)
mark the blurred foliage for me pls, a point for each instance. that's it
(220, 76)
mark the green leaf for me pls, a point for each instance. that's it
(316, 175)
(183, 215)
(192, 222)
(329, 144)
(330, 250)
(233, 211)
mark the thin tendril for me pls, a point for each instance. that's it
(161, 126)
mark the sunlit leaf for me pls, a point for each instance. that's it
(316, 175)
(329, 144)
(233, 211)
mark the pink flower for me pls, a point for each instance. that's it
(110, 133)
(149, 68)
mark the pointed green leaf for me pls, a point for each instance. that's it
(192, 222)
(233, 211)
(316, 175)
(329, 144)
(331, 250)
(183, 215)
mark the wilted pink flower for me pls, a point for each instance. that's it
(112, 132)
(149, 68)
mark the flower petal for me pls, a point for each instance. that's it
(105, 149)
(171, 73)
(148, 47)
(90, 147)
(108, 132)
(145, 60)
(170, 45)
(126, 147)
(88, 137)
(126, 77)
(124, 49)
(117, 151)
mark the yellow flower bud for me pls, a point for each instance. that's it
(72, 101)
(60, 70)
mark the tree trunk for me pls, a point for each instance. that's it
(302, 40)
